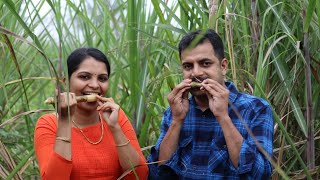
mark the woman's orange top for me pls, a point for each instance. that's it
(88, 161)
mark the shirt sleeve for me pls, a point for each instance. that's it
(140, 171)
(154, 155)
(51, 164)
(252, 162)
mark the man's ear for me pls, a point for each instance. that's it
(224, 66)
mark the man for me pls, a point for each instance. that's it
(208, 135)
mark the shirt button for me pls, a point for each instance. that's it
(203, 115)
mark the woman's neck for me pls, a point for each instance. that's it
(84, 119)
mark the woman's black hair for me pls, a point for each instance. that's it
(79, 55)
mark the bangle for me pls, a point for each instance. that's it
(124, 144)
(65, 139)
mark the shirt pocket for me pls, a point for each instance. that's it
(184, 153)
(219, 157)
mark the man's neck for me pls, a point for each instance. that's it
(202, 102)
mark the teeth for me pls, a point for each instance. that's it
(91, 93)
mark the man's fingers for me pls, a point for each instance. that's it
(183, 93)
(181, 86)
(210, 89)
(214, 84)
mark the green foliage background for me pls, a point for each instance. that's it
(269, 43)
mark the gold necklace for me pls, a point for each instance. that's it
(91, 142)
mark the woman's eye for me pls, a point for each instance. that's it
(103, 78)
(84, 77)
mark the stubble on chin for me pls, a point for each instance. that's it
(198, 93)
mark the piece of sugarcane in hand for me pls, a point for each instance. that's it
(195, 85)
(85, 98)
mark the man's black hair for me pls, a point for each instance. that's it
(195, 38)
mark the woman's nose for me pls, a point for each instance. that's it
(94, 84)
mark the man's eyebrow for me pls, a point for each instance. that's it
(201, 60)
(186, 63)
(205, 59)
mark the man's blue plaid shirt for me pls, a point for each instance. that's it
(202, 151)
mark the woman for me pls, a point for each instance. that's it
(102, 143)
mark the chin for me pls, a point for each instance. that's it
(197, 92)
(88, 105)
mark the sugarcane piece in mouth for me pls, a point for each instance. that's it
(195, 84)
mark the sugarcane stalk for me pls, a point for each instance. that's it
(195, 85)
(85, 98)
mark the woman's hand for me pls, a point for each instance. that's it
(66, 100)
(110, 111)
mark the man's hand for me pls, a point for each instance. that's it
(178, 100)
(179, 104)
(218, 97)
